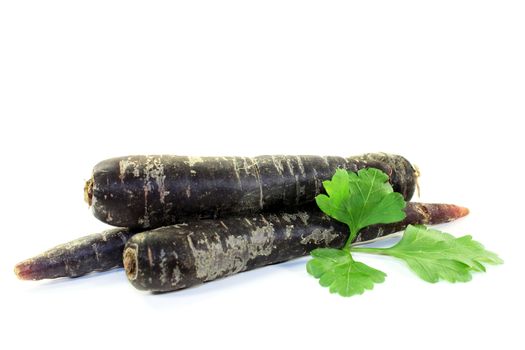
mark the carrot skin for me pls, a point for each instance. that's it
(155, 191)
(96, 252)
(180, 256)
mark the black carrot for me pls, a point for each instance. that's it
(180, 256)
(96, 252)
(154, 191)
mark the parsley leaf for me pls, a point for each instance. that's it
(435, 255)
(337, 270)
(361, 199)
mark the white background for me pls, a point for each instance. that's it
(441, 82)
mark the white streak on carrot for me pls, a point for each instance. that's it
(245, 166)
(259, 181)
(318, 236)
(288, 231)
(261, 241)
(163, 267)
(150, 257)
(236, 170)
(209, 262)
(176, 276)
(154, 172)
(301, 166)
(94, 245)
(194, 160)
(297, 189)
(278, 165)
(316, 182)
(289, 165)
(326, 161)
(302, 215)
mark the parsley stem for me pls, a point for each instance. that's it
(380, 251)
(349, 241)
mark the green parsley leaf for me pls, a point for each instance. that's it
(435, 255)
(361, 200)
(337, 270)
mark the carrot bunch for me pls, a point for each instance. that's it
(182, 221)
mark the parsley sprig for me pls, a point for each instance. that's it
(366, 198)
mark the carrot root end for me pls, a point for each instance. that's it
(130, 262)
(88, 191)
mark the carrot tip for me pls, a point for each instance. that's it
(21, 271)
(462, 211)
